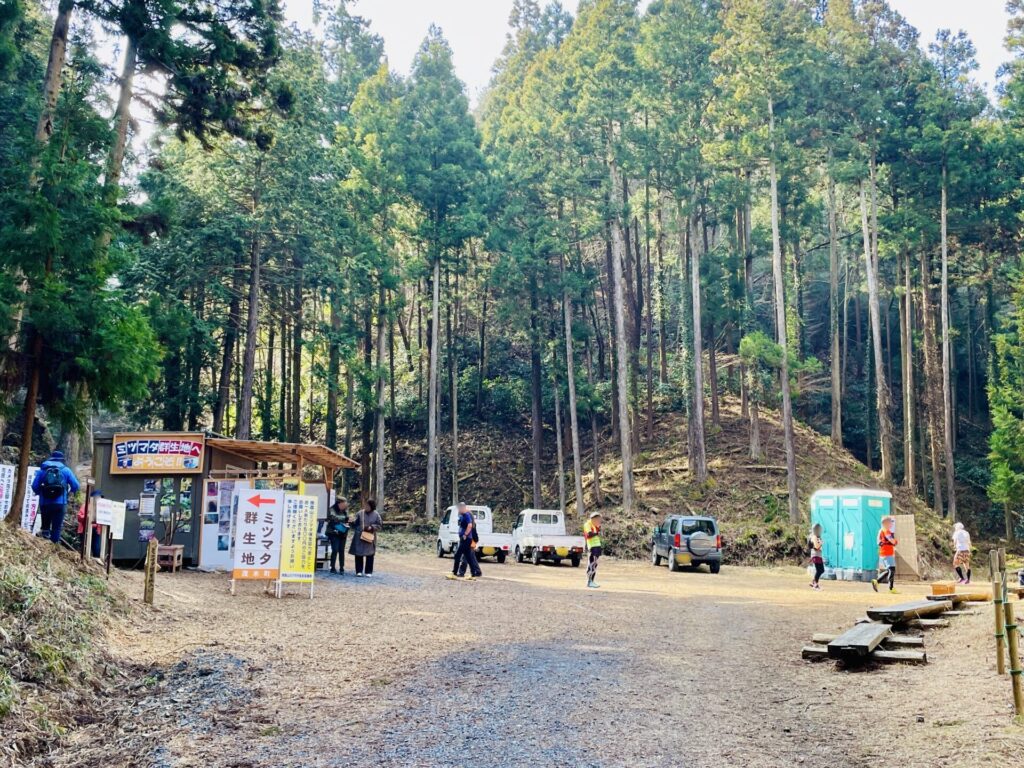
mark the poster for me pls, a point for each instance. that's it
(120, 513)
(258, 534)
(147, 506)
(157, 453)
(112, 514)
(298, 540)
(215, 524)
(29, 507)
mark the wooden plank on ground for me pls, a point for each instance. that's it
(894, 614)
(962, 597)
(960, 613)
(927, 623)
(859, 641)
(892, 641)
(905, 657)
(814, 652)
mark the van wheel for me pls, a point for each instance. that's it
(673, 564)
(715, 567)
(655, 557)
(575, 560)
(440, 548)
(519, 555)
(536, 557)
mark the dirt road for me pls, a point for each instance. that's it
(527, 667)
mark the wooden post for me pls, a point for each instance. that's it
(1011, 642)
(110, 548)
(89, 515)
(997, 600)
(150, 571)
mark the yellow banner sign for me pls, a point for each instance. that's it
(157, 453)
(298, 540)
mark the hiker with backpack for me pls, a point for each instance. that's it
(53, 484)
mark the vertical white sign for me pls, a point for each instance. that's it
(258, 525)
(30, 506)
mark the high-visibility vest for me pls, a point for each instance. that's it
(592, 534)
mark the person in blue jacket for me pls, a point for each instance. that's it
(53, 484)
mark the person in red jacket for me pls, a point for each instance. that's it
(886, 555)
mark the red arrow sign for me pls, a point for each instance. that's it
(258, 500)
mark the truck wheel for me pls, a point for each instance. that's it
(715, 567)
(440, 548)
(673, 564)
(557, 561)
(536, 557)
(655, 557)
(575, 560)
(501, 557)
(519, 555)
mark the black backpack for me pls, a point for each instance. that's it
(52, 487)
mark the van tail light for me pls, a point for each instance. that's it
(718, 541)
(678, 541)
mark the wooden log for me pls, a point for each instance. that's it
(997, 601)
(892, 641)
(1012, 647)
(927, 623)
(960, 613)
(961, 597)
(859, 641)
(905, 657)
(150, 572)
(814, 652)
(894, 614)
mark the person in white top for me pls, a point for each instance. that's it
(962, 554)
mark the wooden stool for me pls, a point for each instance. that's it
(170, 557)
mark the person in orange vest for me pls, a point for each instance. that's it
(592, 537)
(886, 555)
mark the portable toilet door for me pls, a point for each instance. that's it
(875, 506)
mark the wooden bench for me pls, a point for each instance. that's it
(170, 556)
(897, 614)
(859, 641)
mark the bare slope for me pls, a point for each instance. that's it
(749, 498)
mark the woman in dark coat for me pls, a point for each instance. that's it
(367, 520)
(338, 523)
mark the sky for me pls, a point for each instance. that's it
(476, 29)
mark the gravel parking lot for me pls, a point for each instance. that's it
(527, 666)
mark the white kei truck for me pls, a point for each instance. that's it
(496, 545)
(539, 534)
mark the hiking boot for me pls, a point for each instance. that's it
(874, 584)
(894, 591)
(452, 577)
(470, 578)
(334, 570)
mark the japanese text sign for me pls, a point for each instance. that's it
(298, 542)
(144, 453)
(258, 528)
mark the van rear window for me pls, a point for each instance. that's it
(697, 526)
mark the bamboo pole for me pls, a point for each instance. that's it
(1011, 643)
(150, 583)
(997, 600)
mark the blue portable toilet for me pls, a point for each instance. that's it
(850, 519)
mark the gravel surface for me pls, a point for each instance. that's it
(528, 667)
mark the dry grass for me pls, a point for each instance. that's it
(53, 611)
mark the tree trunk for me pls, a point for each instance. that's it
(382, 321)
(294, 425)
(716, 419)
(570, 371)
(267, 407)
(947, 353)
(933, 385)
(700, 461)
(453, 389)
(350, 406)
(833, 304)
(54, 74)
(435, 317)
(333, 368)
(243, 427)
(780, 319)
(21, 480)
(482, 369)
(594, 435)
(228, 353)
(536, 425)
(621, 350)
(907, 361)
(881, 387)
(560, 453)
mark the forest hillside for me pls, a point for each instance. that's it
(708, 235)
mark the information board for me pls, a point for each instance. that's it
(157, 453)
(111, 513)
(30, 505)
(258, 525)
(298, 539)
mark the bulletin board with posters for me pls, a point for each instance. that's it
(219, 504)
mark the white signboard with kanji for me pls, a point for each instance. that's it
(30, 507)
(258, 526)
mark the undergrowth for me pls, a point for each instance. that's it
(52, 614)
